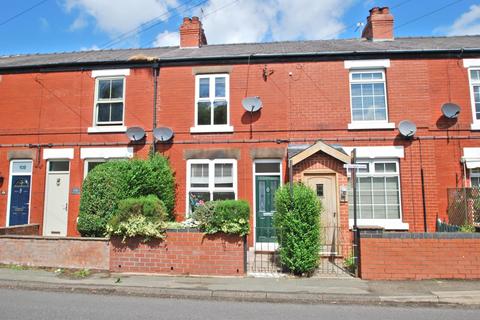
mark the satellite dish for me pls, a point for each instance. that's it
(135, 133)
(252, 104)
(163, 134)
(450, 110)
(407, 128)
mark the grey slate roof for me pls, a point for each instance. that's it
(297, 48)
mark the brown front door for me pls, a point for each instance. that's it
(325, 186)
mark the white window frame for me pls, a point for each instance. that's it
(211, 179)
(369, 124)
(11, 174)
(211, 127)
(111, 124)
(474, 173)
(475, 122)
(87, 161)
(97, 160)
(392, 224)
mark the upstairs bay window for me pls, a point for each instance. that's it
(209, 180)
(212, 106)
(109, 101)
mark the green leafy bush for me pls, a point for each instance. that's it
(139, 217)
(227, 216)
(467, 228)
(113, 181)
(297, 224)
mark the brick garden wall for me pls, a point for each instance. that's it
(24, 230)
(75, 253)
(181, 253)
(401, 256)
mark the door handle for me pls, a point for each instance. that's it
(66, 207)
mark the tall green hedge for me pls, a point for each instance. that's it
(297, 224)
(110, 182)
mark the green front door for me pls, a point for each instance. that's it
(265, 188)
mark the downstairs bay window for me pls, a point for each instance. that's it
(209, 180)
(475, 177)
(378, 194)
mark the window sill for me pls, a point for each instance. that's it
(387, 224)
(211, 129)
(369, 125)
(475, 126)
(107, 129)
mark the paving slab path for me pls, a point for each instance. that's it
(285, 289)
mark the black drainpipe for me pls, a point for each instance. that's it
(156, 71)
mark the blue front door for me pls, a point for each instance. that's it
(19, 200)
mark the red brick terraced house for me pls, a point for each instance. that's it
(61, 114)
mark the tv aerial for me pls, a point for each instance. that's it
(450, 110)
(407, 128)
(135, 133)
(252, 104)
(163, 134)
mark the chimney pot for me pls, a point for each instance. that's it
(379, 25)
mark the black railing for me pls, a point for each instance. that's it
(335, 256)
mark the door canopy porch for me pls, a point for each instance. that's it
(298, 153)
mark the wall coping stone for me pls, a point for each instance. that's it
(52, 238)
(192, 230)
(420, 235)
(20, 226)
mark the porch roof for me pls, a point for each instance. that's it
(298, 153)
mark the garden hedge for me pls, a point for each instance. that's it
(297, 224)
(227, 216)
(110, 182)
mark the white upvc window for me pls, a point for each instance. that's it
(474, 77)
(475, 177)
(212, 105)
(209, 180)
(89, 164)
(368, 99)
(109, 108)
(378, 194)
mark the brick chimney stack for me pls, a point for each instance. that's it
(191, 33)
(379, 25)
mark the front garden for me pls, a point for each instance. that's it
(134, 200)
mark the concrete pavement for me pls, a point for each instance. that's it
(292, 290)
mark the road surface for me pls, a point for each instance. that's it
(39, 305)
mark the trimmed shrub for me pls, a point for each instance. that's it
(102, 189)
(203, 214)
(139, 217)
(227, 216)
(297, 224)
(110, 182)
(160, 181)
